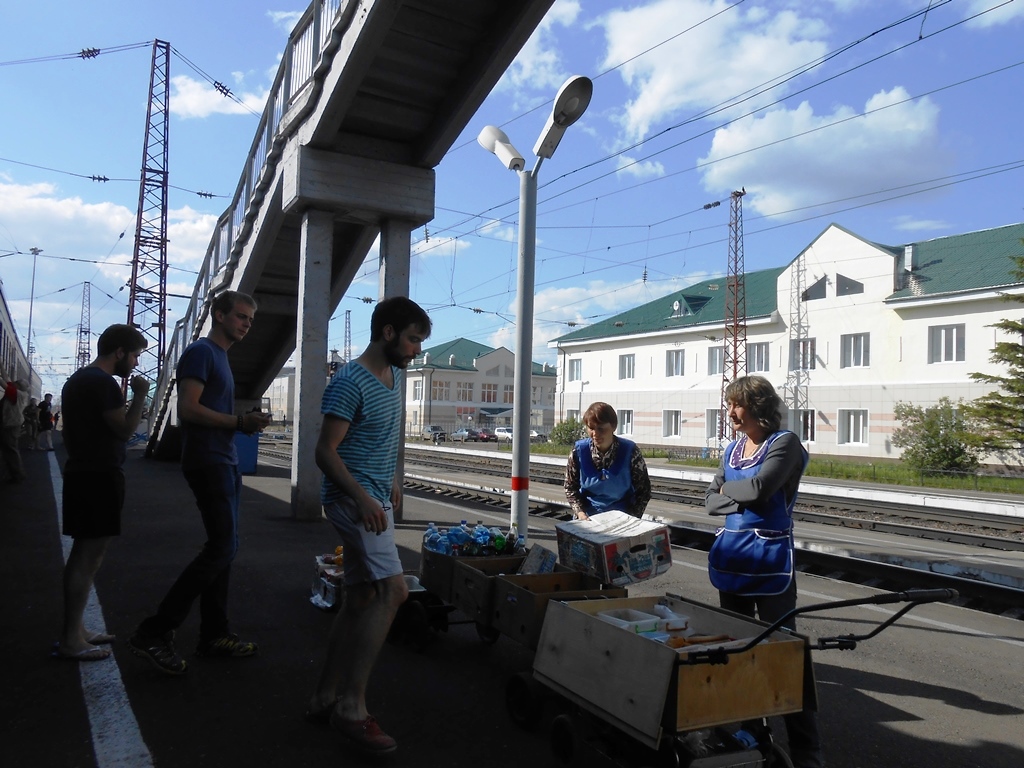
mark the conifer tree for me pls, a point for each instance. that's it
(999, 415)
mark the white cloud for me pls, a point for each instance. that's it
(732, 54)
(897, 143)
(910, 224)
(285, 20)
(641, 169)
(1005, 14)
(539, 66)
(192, 98)
(189, 233)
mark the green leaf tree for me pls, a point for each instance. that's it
(999, 415)
(567, 432)
(937, 437)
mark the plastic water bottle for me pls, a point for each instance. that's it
(458, 537)
(511, 538)
(520, 546)
(497, 540)
(442, 543)
(431, 530)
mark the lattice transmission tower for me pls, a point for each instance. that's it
(348, 335)
(735, 357)
(84, 356)
(801, 350)
(147, 302)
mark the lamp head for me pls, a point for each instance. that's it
(571, 102)
(494, 140)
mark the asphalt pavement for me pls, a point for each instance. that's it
(443, 703)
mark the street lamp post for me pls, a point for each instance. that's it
(570, 103)
(31, 305)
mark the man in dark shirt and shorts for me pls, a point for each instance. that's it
(96, 431)
(206, 404)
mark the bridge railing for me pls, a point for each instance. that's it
(307, 44)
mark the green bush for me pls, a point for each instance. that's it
(567, 432)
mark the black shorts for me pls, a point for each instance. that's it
(92, 503)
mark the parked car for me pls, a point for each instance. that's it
(537, 437)
(465, 435)
(434, 433)
(504, 434)
(486, 436)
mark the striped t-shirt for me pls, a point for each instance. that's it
(374, 413)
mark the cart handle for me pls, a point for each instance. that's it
(913, 597)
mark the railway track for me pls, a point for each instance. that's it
(456, 479)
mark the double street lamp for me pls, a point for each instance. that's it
(570, 104)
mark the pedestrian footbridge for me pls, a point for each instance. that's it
(369, 97)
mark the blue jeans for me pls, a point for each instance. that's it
(801, 727)
(217, 489)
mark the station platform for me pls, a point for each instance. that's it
(224, 713)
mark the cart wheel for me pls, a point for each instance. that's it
(488, 635)
(523, 700)
(778, 758)
(563, 739)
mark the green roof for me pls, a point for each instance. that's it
(699, 305)
(459, 354)
(975, 261)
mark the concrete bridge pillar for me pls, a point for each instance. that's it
(393, 273)
(316, 247)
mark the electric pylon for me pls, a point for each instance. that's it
(735, 357)
(84, 356)
(147, 303)
(348, 335)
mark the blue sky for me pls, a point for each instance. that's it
(897, 119)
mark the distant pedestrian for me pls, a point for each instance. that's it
(45, 440)
(96, 430)
(206, 403)
(12, 419)
(358, 453)
(30, 426)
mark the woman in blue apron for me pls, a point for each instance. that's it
(751, 561)
(606, 472)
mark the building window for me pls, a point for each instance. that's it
(627, 366)
(816, 291)
(801, 355)
(671, 422)
(946, 343)
(846, 286)
(803, 424)
(536, 393)
(675, 362)
(712, 423)
(417, 390)
(440, 390)
(757, 357)
(716, 361)
(855, 350)
(572, 415)
(853, 426)
(575, 370)
(508, 394)
(464, 391)
(488, 393)
(625, 422)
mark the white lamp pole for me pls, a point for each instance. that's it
(31, 305)
(570, 103)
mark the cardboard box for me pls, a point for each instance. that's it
(473, 583)
(643, 686)
(539, 560)
(617, 548)
(521, 601)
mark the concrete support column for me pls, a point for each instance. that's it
(393, 274)
(316, 245)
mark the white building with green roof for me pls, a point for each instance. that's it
(463, 383)
(846, 330)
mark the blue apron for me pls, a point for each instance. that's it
(753, 552)
(606, 489)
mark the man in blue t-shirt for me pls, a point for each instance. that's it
(358, 453)
(206, 404)
(97, 427)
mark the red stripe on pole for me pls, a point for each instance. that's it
(520, 483)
